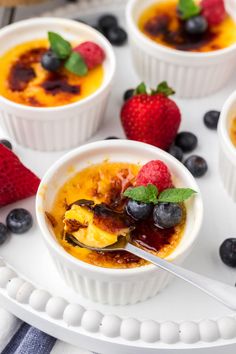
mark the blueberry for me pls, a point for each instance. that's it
(196, 165)
(106, 22)
(228, 252)
(116, 35)
(177, 152)
(186, 141)
(3, 233)
(211, 119)
(138, 210)
(128, 94)
(6, 143)
(111, 138)
(19, 221)
(196, 25)
(50, 61)
(166, 215)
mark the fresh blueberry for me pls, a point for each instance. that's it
(3, 233)
(6, 143)
(186, 141)
(111, 138)
(197, 165)
(211, 119)
(116, 35)
(177, 152)
(106, 22)
(138, 210)
(196, 25)
(128, 94)
(166, 215)
(50, 61)
(19, 221)
(228, 252)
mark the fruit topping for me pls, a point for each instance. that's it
(177, 152)
(151, 117)
(106, 22)
(196, 25)
(128, 94)
(166, 215)
(50, 61)
(19, 221)
(92, 54)
(228, 252)
(186, 141)
(211, 119)
(116, 35)
(214, 11)
(6, 143)
(138, 210)
(197, 165)
(155, 172)
(3, 233)
(16, 181)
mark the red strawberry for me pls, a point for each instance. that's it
(92, 53)
(16, 181)
(155, 172)
(151, 118)
(213, 11)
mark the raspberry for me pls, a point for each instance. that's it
(157, 173)
(92, 54)
(213, 11)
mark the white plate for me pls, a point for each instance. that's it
(181, 312)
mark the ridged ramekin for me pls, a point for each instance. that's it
(114, 286)
(191, 74)
(63, 127)
(227, 151)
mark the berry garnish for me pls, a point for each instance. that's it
(211, 119)
(111, 138)
(151, 117)
(128, 94)
(196, 25)
(187, 9)
(19, 221)
(92, 53)
(177, 152)
(166, 215)
(16, 181)
(106, 22)
(186, 141)
(214, 11)
(228, 252)
(138, 210)
(116, 35)
(155, 172)
(50, 61)
(3, 233)
(197, 165)
(6, 143)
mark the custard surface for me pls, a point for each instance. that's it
(160, 23)
(23, 79)
(232, 131)
(104, 183)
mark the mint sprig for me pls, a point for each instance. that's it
(150, 194)
(188, 9)
(59, 45)
(76, 64)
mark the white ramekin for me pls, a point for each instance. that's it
(190, 74)
(114, 286)
(56, 128)
(227, 151)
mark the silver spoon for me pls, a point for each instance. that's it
(222, 292)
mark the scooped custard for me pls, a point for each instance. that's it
(160, 23)
(91, 208)
(232, 131)
(23, 79)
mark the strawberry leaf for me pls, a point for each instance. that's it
(175, 195)
(141, 89)
(59, 45)
(188, 9)
(76, 64)
(164, 89)
(145, 194)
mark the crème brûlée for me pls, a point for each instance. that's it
(232, 131)
(90, 208)
(23, 80)
(160, 23)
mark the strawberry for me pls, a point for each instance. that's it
(151, 118)
(155, 172)
(16, 181)
(213, 11)
(92, 53)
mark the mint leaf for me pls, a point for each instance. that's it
(188, 9)
(143, 194)
(165, 89)
(59, 45)
(140, 89)
(76, 64)
(175, 195)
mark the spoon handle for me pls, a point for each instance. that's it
(222, 292)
